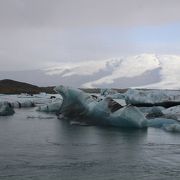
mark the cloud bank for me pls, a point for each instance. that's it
(39, 33)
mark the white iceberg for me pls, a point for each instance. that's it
(50, 107)
(23, 104)
(173, 111)
(164, 98)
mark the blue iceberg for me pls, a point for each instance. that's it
(169, 125)
(6, 109)
(86, 108)
(161, 122)
(172, 128)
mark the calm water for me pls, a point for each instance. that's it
(37, 148)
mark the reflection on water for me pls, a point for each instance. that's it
(32, 148)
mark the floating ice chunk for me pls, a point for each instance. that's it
(6, 109)
(147, 110)
(16, 104)
(122, 102)
(128, 116)
(154, 112)
(172, 112)
(106, 92)
(152, 97)
(27, 103)
(23, 104)
(41, 101)
(51, 107)
(160, 122)
(119, 96)
(77, 104)
(172, 128)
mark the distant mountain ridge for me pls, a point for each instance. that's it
(140, 71)
(8, 86)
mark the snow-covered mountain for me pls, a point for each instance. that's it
(145, 70)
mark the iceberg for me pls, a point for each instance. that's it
(161, 122)
(152, 112)
(6, 109)
(106, 92)
(149, 110)
(169, 125)
(172, 111)
(172, 128)
(163, 98)
(86, 108)
(23, 104)
(50, 107)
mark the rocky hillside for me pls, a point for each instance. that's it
(8, 86)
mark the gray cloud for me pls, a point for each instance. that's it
(37, 33)
(73, 13)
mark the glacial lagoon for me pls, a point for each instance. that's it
(38, 145)
(35, 145)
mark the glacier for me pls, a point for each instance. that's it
(153, 71)
(150, 71)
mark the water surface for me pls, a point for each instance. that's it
(44, 148)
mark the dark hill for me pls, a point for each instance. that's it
(8, 86)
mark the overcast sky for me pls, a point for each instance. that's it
(39, 33)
